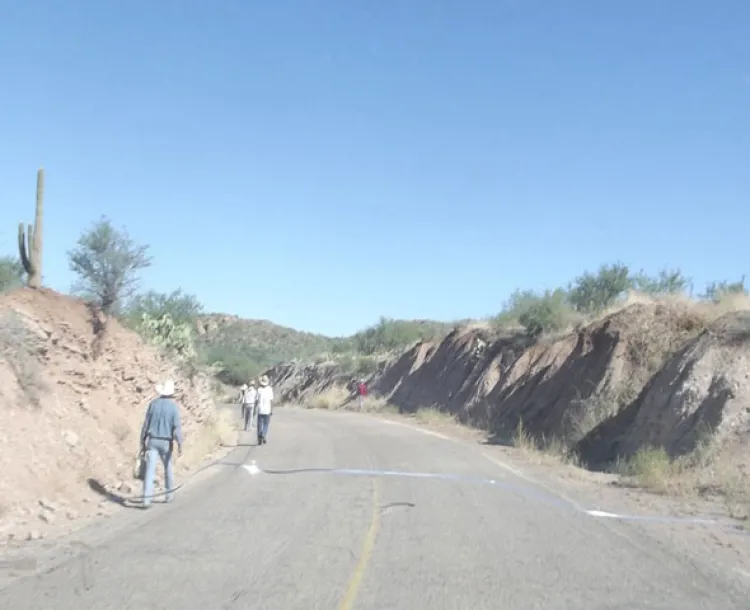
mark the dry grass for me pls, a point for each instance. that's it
(332, 399)
(431, 416)
(705, 472)
(220, 428)
(690, 314)
(543, 450)
(683, 306)
(374, 404)
(652, 469)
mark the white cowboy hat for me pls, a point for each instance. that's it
(264, 380)
(166, 388)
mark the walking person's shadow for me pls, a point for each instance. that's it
(110, 496)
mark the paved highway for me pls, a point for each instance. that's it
(366, 536)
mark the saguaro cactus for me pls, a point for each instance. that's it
(30, 240)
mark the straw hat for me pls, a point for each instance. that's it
(264, 380)
(166, 388)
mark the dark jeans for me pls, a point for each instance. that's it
(263, 421)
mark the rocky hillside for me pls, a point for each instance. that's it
(247, 347)
(73, 391)
(665, 374)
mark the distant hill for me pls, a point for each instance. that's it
(247, 347)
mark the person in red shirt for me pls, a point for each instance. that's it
(362, 392)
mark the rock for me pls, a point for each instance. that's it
(47, 505)
(71, 514)
(71, 438)
(47, 517)
(34, 535)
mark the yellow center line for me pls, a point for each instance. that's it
(347, 603)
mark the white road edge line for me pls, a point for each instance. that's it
(595, 513)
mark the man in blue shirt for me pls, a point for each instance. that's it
(161, 427)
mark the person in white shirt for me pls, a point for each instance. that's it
(265, 409)
(249, 402)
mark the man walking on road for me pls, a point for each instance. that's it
(265, 409)
(161, 427)
(249, 402)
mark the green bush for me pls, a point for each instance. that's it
(389, 334)
(236, 363)
(11, 273)
(366, 365)
(164, 332)
(181, 307)
(591, 293)
(550, 312)
(715, 291)
(668, 281)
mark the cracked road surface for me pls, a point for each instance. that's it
(293, 537)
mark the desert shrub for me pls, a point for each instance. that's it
(107, 263)
(11, 273)
(536, 312)
(366, 365)
(716, 291)
(181, 307)
(651, 468)
(333, 398)
(174, 337)
(389, 334)
(550, 312)
(667, 281)
(590, 293)
(235, 364)
(518, 303)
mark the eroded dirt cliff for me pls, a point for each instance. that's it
(652, 374)
(73, 391)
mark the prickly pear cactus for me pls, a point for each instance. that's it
(168, 335)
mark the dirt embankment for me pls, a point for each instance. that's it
(652, 374)
(73, 391)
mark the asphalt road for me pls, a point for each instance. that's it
(292, 537)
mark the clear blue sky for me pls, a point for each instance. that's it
(322, 162)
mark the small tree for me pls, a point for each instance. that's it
(549, 312)
(591, 293)
(107, 263)
(11, 273)
(182, 308)
(667, 282)
(715, 291)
